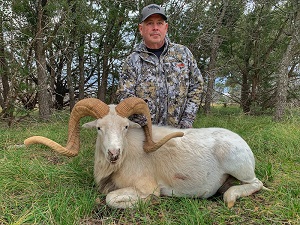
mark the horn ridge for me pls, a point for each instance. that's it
(151, 148)
(51, 144)
(85, 107)
(134, 105)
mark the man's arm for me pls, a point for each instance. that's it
(194, 95)
(126, 86)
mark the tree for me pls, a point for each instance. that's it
(254, 51)
(4, 87)
(215, 45)
(40, 57)
(43, 38)
(285, 64)
(76, 47)
(5, 102)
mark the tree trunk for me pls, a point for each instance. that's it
(40, 58)
(283, 78)
(211, 73)
(70, 81)
(81, 67)
(3, 68)
(114, 27)
(52, 79)
(211, 81)
(245, 94)
(103, 87)
(6, 103)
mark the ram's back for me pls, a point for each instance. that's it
(203, 158)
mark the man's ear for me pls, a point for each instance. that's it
(140, 28)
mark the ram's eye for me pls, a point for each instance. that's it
(98, 128)
(126, 127)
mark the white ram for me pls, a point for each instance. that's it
(198, 164)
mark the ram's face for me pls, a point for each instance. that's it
(112, 130)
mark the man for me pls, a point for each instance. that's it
(162, 73)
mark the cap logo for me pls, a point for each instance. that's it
(153, 7)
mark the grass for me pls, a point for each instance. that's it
(38, 186)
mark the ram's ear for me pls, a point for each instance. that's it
(134, 125)
(90, 125)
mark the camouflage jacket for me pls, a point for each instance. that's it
(171, 85)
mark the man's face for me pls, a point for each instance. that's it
(153, 31)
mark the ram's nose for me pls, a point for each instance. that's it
(113, 155)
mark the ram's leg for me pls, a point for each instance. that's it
(235, 192)
(123, 198)
(145, 189)
(240, 164)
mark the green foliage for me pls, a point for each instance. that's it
(38, 186)
(252, 35)
(254, 47)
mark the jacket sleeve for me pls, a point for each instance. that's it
(194, 94)
(127, 87)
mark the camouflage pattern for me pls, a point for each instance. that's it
(171, 85)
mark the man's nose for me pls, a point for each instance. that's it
(155, 27)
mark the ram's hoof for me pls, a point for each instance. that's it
(230, 204)
(153, 199)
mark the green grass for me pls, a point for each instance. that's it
(38, 186)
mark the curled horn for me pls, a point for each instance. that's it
(86, 107)
(134, 105)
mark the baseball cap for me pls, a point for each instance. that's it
(152, 9)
